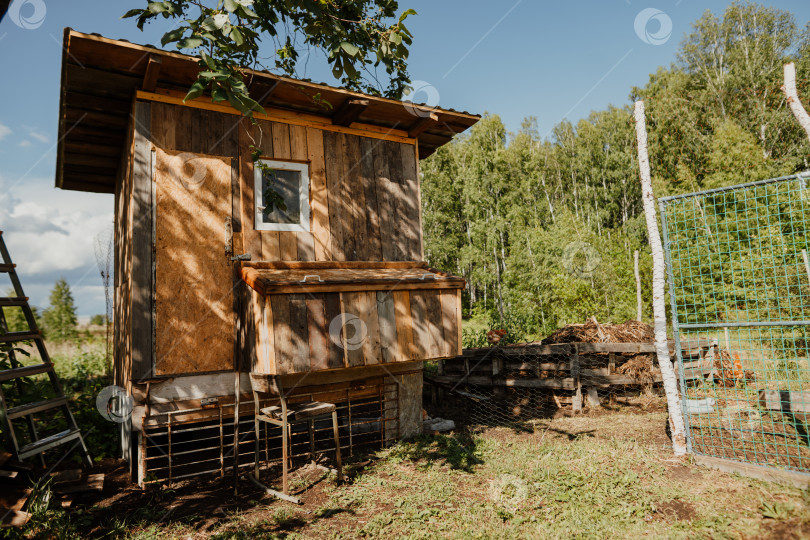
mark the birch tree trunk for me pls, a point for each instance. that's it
(670, 382)
(793, 98)
(638, 286)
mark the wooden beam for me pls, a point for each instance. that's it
(150, 77)
(333, 265)
(423, 124)
(290, 117)
(349, 111)
(260, 90)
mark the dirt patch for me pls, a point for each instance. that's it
(682, 473)
(784, 530)
(680, 510)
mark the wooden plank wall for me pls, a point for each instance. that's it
(122, 262)
(364, 196)
(297, 333)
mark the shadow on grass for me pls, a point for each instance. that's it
(457, 450)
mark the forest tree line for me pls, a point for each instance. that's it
(544, 228)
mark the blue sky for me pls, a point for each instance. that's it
(516, 58)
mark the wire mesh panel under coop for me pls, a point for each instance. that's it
(739, 279)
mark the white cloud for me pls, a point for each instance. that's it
(41, 137)
(5, 131)
(51, 233)
(25, 143)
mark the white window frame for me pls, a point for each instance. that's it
(303, 196)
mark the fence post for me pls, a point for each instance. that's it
(576, 404)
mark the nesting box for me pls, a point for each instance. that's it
(306, 263)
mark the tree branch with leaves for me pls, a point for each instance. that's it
(359, 38)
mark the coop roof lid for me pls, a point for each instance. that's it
(299, 277)
(100, 77)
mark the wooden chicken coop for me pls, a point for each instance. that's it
(215, 278)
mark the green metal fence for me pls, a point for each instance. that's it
(739, 285)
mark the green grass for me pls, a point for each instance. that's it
(609, 475)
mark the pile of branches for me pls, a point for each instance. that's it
(638, 366)
(594, 332)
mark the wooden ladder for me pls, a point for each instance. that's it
(16, 372)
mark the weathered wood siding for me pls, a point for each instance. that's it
(364, 196)
(297, 333)
(364, 201)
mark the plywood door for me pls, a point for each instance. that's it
(193, 285)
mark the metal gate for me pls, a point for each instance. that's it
(739, 287)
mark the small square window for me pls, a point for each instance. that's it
(290, 184)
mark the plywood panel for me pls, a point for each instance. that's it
(317, 331)
(300, 339)
(194, 298)
(288, 246)
(333, 321)
(389, 347)
(318, 195)
(405, 326)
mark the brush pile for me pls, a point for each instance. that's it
(637, 366)
(593, 332)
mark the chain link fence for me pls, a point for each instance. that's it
(739, 280)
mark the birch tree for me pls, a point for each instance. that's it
(670, 383)
(793, 100)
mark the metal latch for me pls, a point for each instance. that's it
(209, 403)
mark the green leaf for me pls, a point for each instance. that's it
(212, 65)
(190, 43)
(213, 75)
(337, 70)
(209, 24)
(237, 37)
(350, 49)
(395, 38)
(218, 94)
(196, 90)
(131, 13)
(406, 13)
(172, 35)
(247, 12)
(156, 7)
(220, 20)
(231, 5)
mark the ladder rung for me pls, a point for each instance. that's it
(19, 336)
(25, 371)
(37, 447)
(7, 267)
(18, 301)
(38, 406)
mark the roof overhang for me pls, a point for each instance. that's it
(101, 76)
